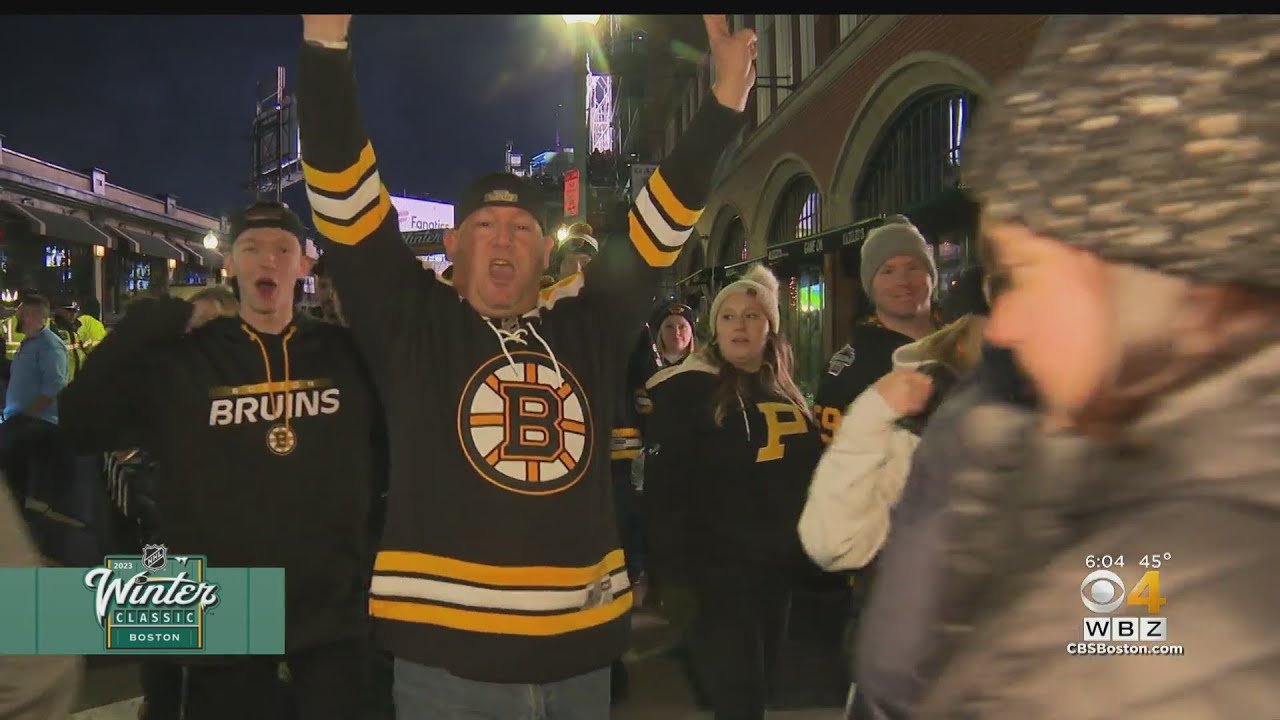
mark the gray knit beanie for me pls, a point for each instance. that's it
(1145, 139)
(896, 237)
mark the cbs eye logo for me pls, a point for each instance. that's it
(1102, 591)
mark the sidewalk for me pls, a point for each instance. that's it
(658, 689)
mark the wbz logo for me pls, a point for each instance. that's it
(272, 402)
(1126, 629)
(1102, 591)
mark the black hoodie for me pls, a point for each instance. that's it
(724, 500)
(208, 405)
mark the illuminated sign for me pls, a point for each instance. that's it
(571, 193)
(416, 215)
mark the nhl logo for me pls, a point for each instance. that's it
(598, 593)
(155, 557)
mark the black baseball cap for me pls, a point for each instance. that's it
(671, 307)
(268, 214)
(502, 190)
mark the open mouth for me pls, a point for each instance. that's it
(502, 271)
(266, 287)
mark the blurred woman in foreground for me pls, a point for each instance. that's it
(1128, 174)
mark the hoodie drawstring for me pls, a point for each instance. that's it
(742, 406)
(266, 362)
(517, 335)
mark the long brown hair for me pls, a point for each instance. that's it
(1216, 326)
(774, 377)
(957, 346)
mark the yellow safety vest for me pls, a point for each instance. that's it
(87, 336)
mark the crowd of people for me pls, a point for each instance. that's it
(427, 459)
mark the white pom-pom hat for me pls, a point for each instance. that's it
(760, 280)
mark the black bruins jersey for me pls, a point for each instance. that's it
(500, 561)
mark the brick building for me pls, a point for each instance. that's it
(854, 117)
(76, 234)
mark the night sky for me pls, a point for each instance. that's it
(165, 104)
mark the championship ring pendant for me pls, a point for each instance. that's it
(281, 439)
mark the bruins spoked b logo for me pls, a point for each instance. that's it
(522, 428)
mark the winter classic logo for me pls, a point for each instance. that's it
(524, 427)
(152, 601)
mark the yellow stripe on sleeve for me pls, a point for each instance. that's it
(672, 206)
(343, 181)
(359, 230)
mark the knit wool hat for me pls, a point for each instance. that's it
(1144, 139)
(896, 237)
(760, 280)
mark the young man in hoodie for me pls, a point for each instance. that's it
(500, 585)
(262, 421)
(899, 275)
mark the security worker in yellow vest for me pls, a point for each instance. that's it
(80, 331)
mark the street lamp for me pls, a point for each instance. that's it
(580, 27)
(211, 241)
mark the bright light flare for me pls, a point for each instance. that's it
(581, 19)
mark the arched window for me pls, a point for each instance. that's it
(918, 156)
(733, 249)
(803, 292)
(799, 212)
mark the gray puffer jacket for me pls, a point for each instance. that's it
(899, 632)
(1198, 477)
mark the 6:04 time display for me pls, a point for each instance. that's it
(1104, 561)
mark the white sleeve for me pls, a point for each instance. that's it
(858, 481)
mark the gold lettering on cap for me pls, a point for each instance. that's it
(500, 196)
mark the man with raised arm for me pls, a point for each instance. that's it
(500, 586)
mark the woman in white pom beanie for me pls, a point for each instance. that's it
(732, 448)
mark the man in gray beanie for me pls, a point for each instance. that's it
(899, 276)
(897, 238)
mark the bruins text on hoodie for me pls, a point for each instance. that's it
(723, 498)
(266, 445)
(500, 559)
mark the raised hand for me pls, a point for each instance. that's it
(734, 55)
(208, 308)
(906, 391)
(325, 28)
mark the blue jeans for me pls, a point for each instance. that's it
(429, 693)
